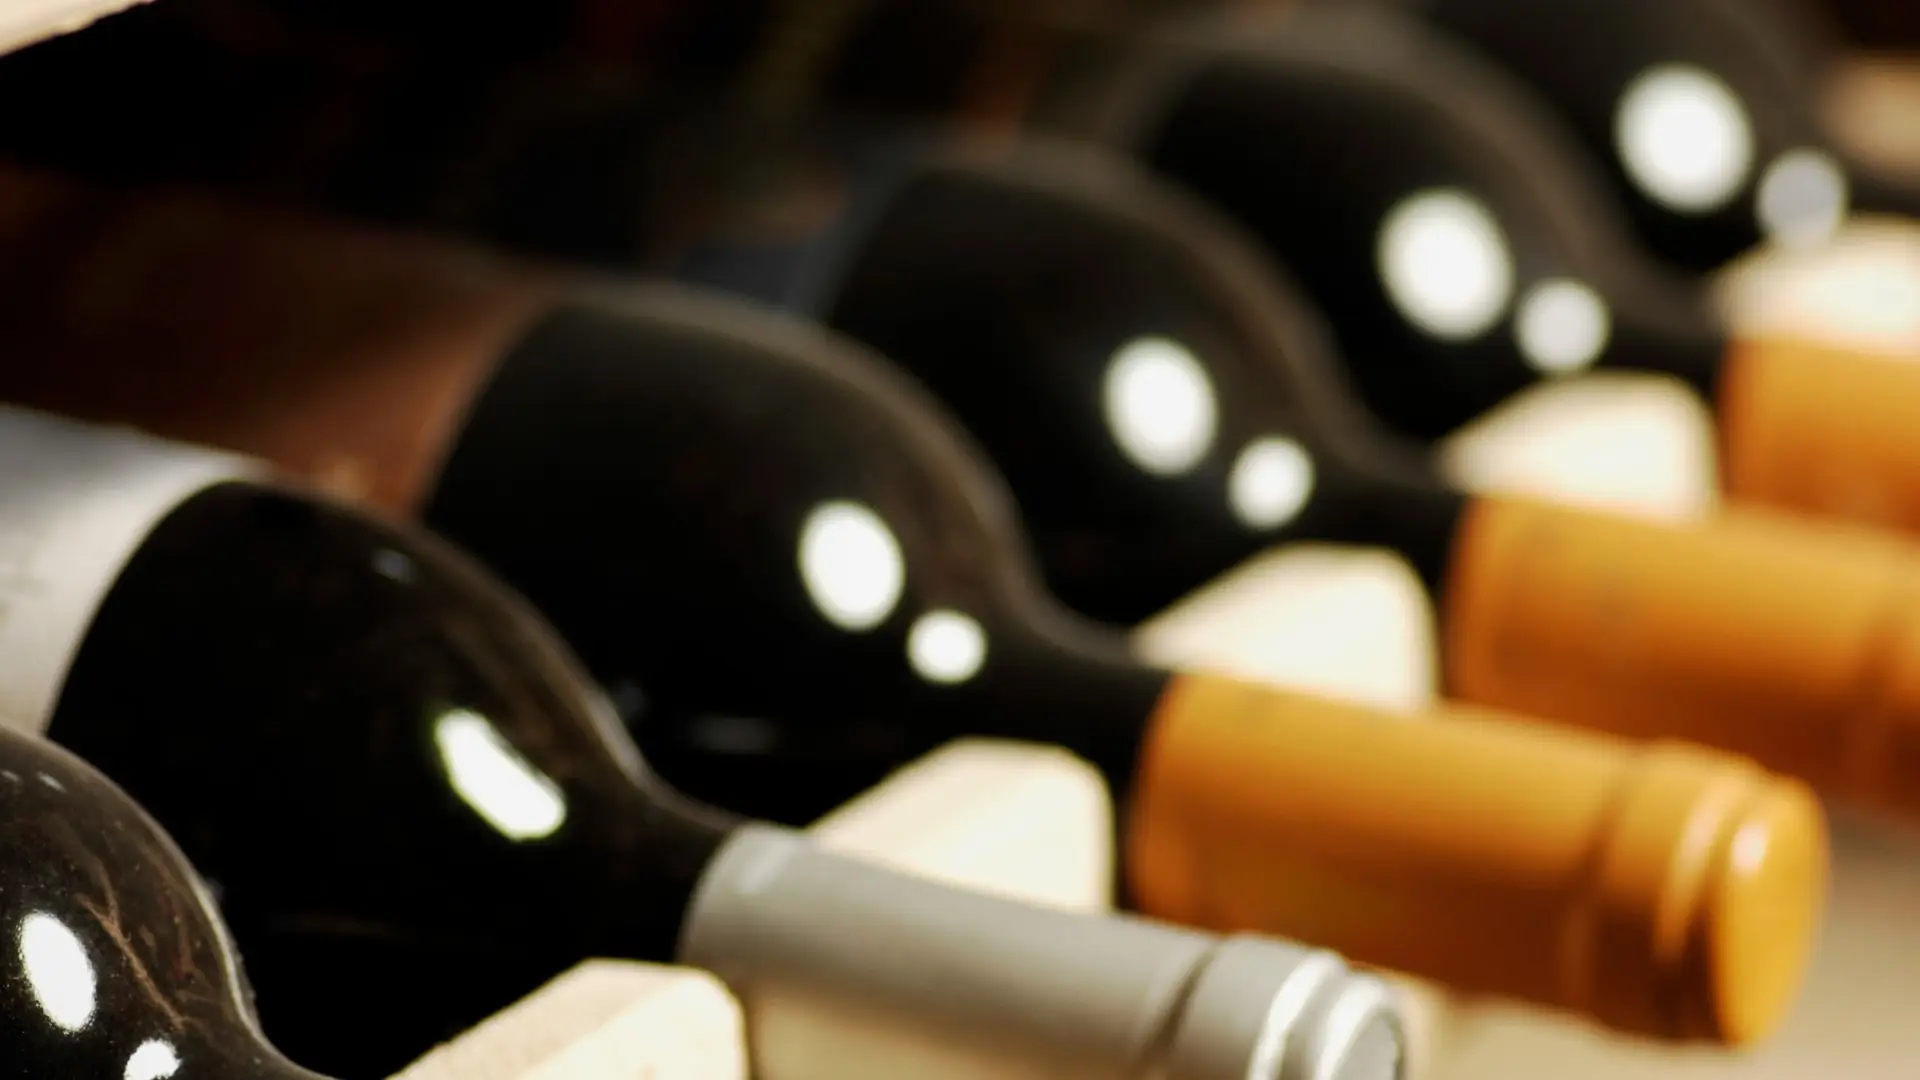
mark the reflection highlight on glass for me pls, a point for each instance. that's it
(489, 775)
(851, 565)
(1750, 848)
(1160, 405)
(154, 1059)
(1802, 198)
(946, 646)
(1562, 326)
(1446, 263)
(1271, 481)
(392, 564)
(1684, 138)
(58, 970)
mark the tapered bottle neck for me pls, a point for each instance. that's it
(1406, 508)
(654, 869)
(1077, 683)
(1663, 331)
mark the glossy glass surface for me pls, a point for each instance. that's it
(790, 572)
(410, 806)
(1706, 113)
(115, 964)
(1456, 245)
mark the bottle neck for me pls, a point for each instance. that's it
(1374, 501)
(1076, 683)
(1660, 322)
(652, 871)
(1071, 682)
(1875, 189)
(360, 998)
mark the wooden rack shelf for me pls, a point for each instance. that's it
(24, 22)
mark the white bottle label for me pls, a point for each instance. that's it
(76, 502)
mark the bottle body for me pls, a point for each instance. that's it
(118, 962)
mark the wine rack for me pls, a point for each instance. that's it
(1036, 824)
(24, 22)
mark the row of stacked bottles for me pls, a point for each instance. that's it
(580, 446)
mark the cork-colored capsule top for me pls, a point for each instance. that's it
(1788, 640)
(1760, 916)
(1815, 427)
(1715, 872)
(1662, 889)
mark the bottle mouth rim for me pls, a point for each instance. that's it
(1362, 1037)
(1327, 1022)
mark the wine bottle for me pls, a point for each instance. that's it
(117, 963)
(415, 810)
(793, 573)
(1707, 114)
